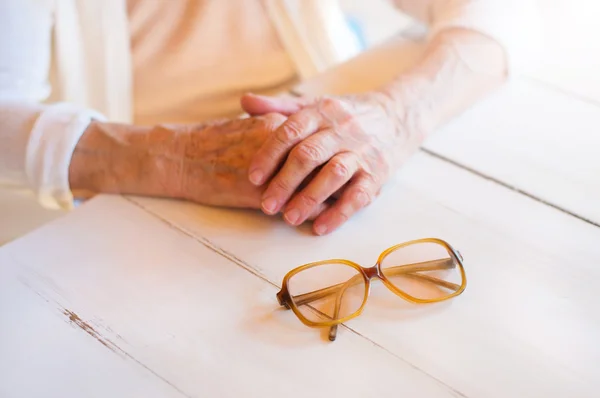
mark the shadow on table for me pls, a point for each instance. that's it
(279, 326)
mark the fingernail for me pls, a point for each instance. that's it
(256, 177)
(292, 216)
(270, 205)
(321, 229)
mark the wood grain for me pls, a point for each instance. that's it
(44, 354)
(570, 54)
(135, 293)
(527, 325)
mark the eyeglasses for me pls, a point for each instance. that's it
(327, 293)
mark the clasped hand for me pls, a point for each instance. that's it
(333, 147)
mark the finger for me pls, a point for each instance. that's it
(260, 104)
(272, 153)
(271, 121)
(334, 175)
(318, 211)
(357, 195)
(302, 161)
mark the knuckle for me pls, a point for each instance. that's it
(308, 153)
(328, 105)
(308, 201)
(343, 216)
(347, 122)
(339, 169)
(369, 180)
(281, 184)
(362, 196)
(329, 102)
(291, 131)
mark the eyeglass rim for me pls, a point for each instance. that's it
(284, 297)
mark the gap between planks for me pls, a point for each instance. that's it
(548, 85)
(508, 186)
(562, 90)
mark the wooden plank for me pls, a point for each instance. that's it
(160, 298)
(535, 140)
(526, 135)
(526, 326)
(44, 354)
(570, 54)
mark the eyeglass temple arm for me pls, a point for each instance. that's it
(338, 305)
(408, 269)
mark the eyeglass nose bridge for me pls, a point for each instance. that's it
(373, 272)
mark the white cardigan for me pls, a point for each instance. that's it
(90, 67)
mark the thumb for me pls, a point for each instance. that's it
(261, 104)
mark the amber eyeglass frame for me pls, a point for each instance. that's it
(285, 300)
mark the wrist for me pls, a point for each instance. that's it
(407, 105)
(459, 68)
(124, 159)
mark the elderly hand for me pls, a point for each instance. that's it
(353, 144)
(206, 163)
(217, 160)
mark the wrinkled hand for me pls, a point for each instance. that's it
(216, 161)
(216, 157)
(351, 145)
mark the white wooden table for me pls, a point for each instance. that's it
(138, 297)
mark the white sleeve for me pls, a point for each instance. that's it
(514, 24)
(36, 139)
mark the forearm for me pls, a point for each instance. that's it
(459, 68)
(124, 159)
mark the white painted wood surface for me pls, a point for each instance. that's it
(527, 135)
(570, 58)
(187, 294)
(528, 324)
(534, 139)
(43, 355)
(157, 301)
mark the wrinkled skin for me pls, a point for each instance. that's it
(352, 143)
(216, 162)
(205, 163)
